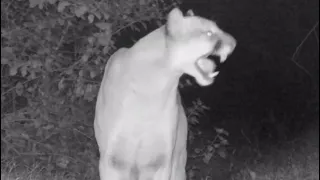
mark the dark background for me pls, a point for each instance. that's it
(261, 76)
(260, 79)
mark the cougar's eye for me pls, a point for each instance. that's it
(209, 33)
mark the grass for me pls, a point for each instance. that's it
(298, 160)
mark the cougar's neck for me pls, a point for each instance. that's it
(151, 74)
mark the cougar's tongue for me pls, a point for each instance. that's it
(206, 68)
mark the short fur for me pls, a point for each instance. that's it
(140, 124)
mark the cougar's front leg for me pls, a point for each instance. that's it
(180, 150)
(178, 167)
(165, 173)
(110, 168)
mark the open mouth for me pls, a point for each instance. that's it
(206, 66)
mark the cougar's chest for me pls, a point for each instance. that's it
(142, 143)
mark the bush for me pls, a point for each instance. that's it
(53, 56)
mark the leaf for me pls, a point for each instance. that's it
(62, 5)
(25, 136)
(32, 75)
(221, 138)
(207, 157)
(88, 88)
(79, 91)
(224, 142)
(144, 25)
(19, 88)
(221, 131)
(61, 21)
(97, 14)
(104, 39)
(79, 11)
(105, 50)
(61, 84)
(91, 18)
(81, 73)
(4, 61)
(197, 150)
(7, 53)
(193, 120)
(85, 58)
(62, 162)
(134, 28)
(34, 3)
(48, 127)
(252, 174)
(37, 123)
(210, 148)
(90, 92)
(7, 49)
(69, 71)
(222, 153)
(188, 81)
(103, 25)
(23, 71)
(93, 74)
(52, 1)
(36, 64)
(48, 64)
(143, 2)
(216, 145)
(48, 146)
(106, 16)
(159, 23)
(13, 71)
(191, 174)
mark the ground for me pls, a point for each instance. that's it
(295, 160)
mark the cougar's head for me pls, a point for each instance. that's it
(191, 39)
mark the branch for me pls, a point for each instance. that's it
(295, 54)
(317, 38)
(304, 40)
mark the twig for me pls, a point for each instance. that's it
(317, 38)
(13, 101)
(303, 41)
(83, 134)
(124, 27)
(244, 135)
(139, 21)
(302, 68)
(14, 87)
(62, 37)
(295, 54)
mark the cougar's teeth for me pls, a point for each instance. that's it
(224, 52)
(223, 58)
(214, 74)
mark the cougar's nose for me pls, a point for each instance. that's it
(225, 46)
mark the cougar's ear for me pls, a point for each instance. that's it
(174, 21)
(190, 13)
(175, 15)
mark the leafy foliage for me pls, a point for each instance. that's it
(53, 55)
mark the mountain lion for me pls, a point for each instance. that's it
(140, 125)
